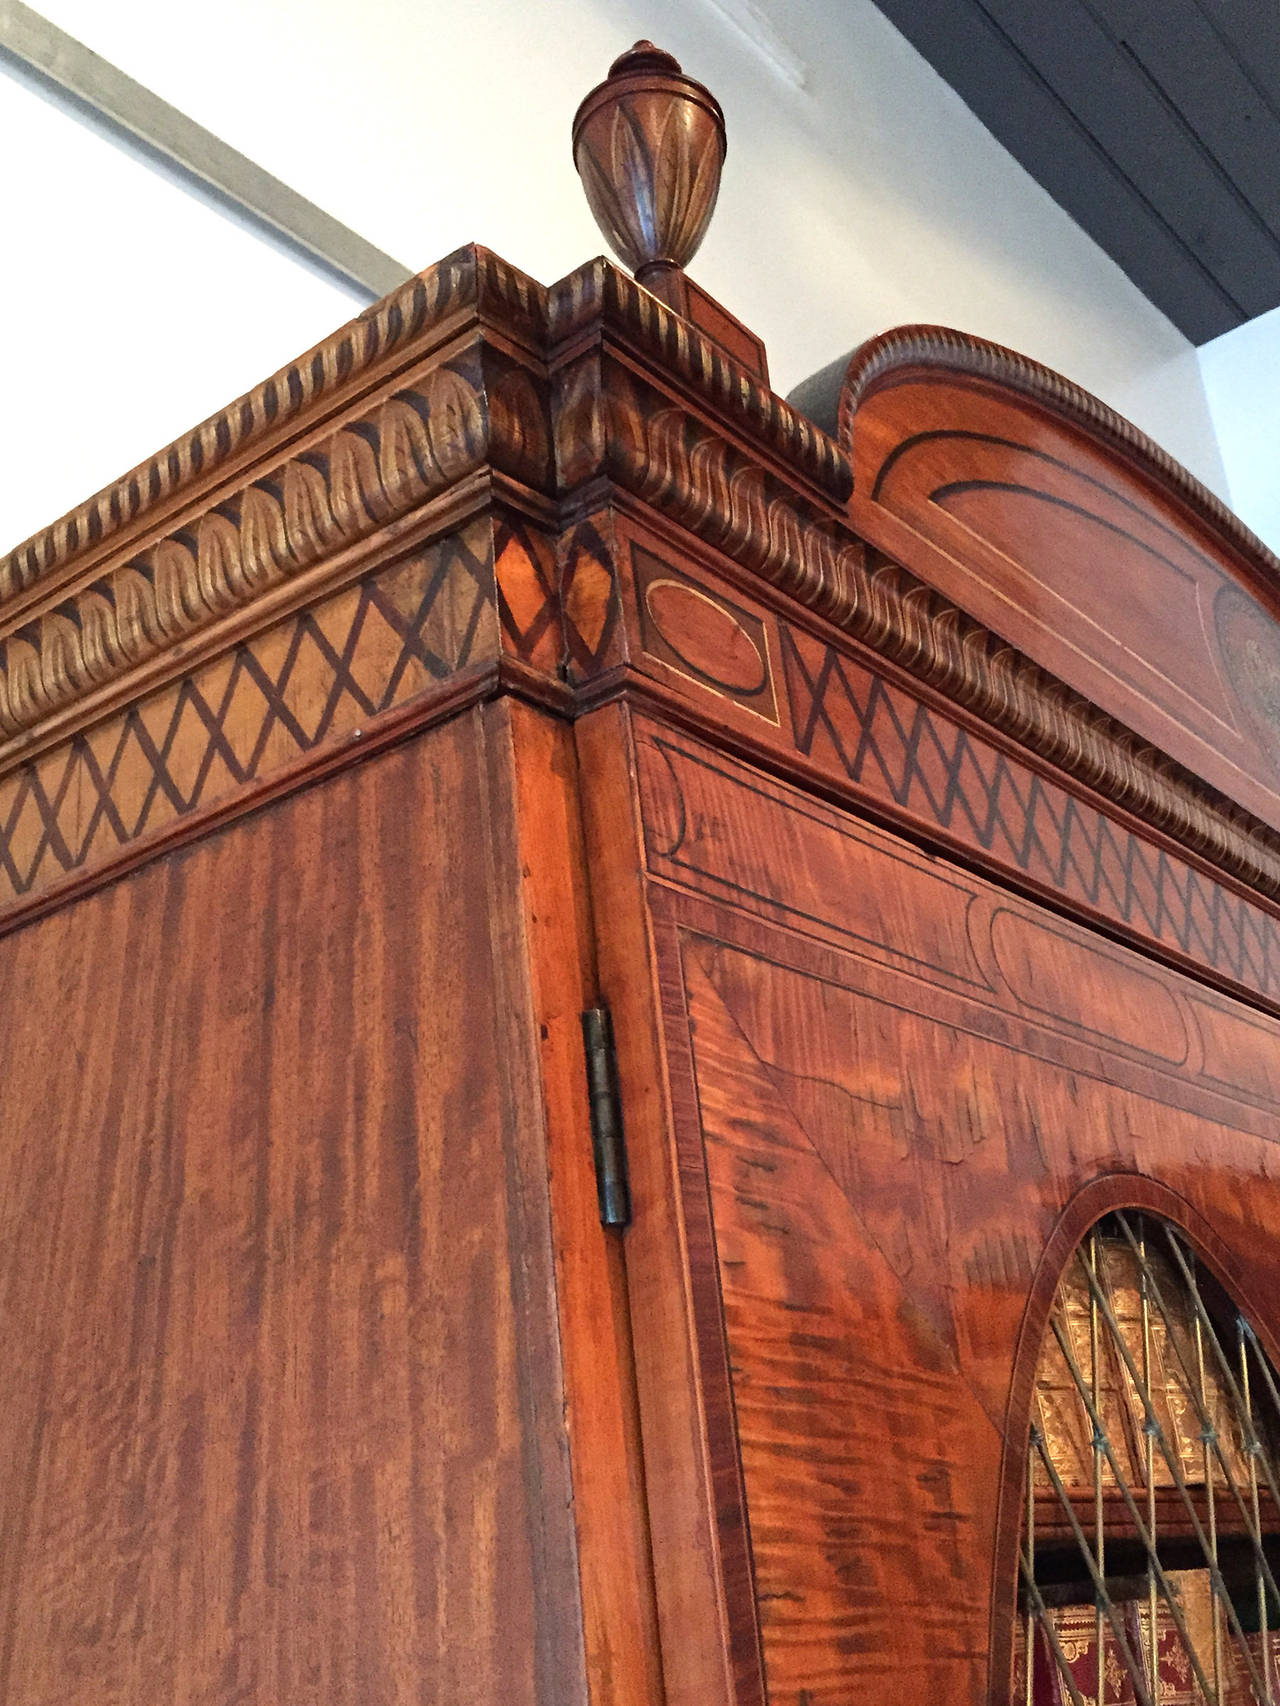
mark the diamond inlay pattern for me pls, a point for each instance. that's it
(894, 746)
(309, 680)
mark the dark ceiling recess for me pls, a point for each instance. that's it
(1155, 123)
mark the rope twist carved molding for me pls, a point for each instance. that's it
(402, 328)
(608, 421)
(417, 443)
(601, 300)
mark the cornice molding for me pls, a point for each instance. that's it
(472, 367)
(609, 421)
(476, 408)
(387, 338)
(739, 499)
(350, 485)
(598, 301)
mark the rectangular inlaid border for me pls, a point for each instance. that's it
(849, 720)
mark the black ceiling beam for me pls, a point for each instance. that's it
(1214, 91)
(1176, 177)
(1251, 30)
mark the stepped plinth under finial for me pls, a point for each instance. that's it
(649, 143)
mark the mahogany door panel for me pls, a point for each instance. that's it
(890, 1081)
(282, 1416)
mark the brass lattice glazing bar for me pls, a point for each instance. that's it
(1241, 1393)
(1099, 1522)
(1255, 1447)
(1150, 1431)
(1036, 1600)
(1029, 1545)
(1196, 1390)
(1248, 1508)
(1253, 1444)
(1102, 1596)
(1217, 1585)
(1263, 1366)
(1207, 1436)
(1135, 1517)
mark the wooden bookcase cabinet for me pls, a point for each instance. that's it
(908, 796)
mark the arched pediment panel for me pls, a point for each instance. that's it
(1058, 525)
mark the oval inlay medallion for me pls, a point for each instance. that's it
(1250, 646)
(708, 639)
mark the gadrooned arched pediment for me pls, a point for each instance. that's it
(1061, 527)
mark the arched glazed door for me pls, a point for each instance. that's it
(1151, 1535)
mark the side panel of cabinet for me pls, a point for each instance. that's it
(886, 1080)
(283, 1412)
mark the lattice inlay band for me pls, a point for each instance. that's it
(307, 682)
(893, 745)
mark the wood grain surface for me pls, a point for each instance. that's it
(1075, 555)
(838, 718)
(548, 969)
(706, 1660)
(282, 1415)
(889, 1084)
(920, 839)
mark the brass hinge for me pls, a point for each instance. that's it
(606, 1118)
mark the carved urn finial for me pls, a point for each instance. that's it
(649, 143)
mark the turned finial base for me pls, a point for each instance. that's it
(649, 144)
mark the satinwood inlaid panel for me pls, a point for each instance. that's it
(890, 1080)
(281, 1419)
